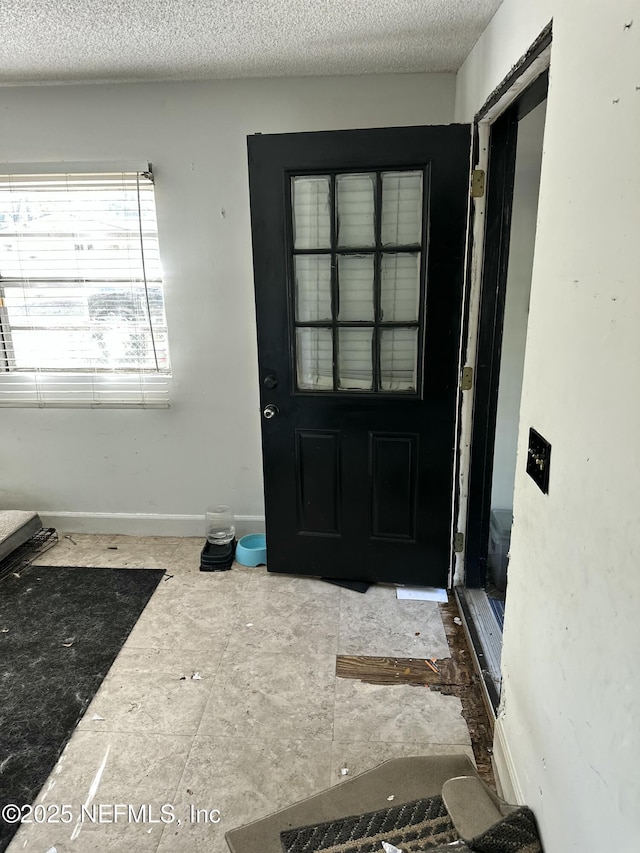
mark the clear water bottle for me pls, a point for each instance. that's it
(220, 524)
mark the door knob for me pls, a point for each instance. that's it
(270, 412)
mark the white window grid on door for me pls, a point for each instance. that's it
(358, 246)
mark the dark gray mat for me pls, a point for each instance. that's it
(468, 817)
(406, 779)
(409, 826)
(515, 833)
(60, 631)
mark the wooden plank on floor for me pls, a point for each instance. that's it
(375, 670)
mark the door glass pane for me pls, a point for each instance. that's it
(400, 286)
(313, 287)
(311, 212)
(355, 287)
(398, 359)
(314, 357)
(355, 197)
(401, 208)
(355, 359)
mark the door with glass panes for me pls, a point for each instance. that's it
(358, 244)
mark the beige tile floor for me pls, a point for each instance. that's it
(266, 723)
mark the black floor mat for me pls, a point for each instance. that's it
(60, 631)
(414, 826)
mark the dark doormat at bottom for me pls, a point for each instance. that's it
(414, 826)
(60, 630)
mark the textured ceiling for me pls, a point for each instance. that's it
(46, 41)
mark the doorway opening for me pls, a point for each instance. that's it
(515, 159)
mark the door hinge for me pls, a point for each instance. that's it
(477, 183)
(466, 382)
(458, 543)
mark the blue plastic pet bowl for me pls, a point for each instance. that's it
(251, 550)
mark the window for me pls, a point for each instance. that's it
(82, 319)
(357, 266)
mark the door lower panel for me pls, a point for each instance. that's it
(318, 476)
(393, 486)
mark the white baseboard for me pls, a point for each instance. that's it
(141, 524)
(504, 768)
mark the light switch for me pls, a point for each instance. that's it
(538, 460)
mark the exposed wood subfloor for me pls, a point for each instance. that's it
(455, 676)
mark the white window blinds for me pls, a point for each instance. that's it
(82, 319)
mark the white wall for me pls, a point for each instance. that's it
(571, 700)
(516, 309)
(206, 448)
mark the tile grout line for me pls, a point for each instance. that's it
(177, 788)
(224, 651)
(197, 730)
(204, 708)
(335, 670)
(335, 685)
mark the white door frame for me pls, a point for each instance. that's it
(534, 63)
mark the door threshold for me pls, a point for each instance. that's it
(485, 638)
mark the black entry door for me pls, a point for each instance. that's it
(358, 244)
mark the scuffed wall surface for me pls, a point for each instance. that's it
(571, 698)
